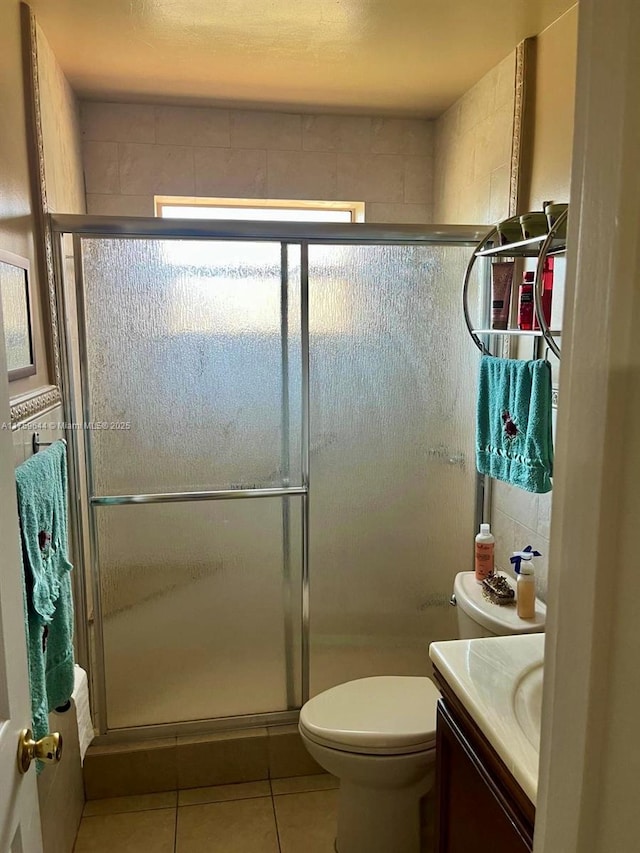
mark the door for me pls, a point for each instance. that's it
(195, 484)
(19, 814)
(236, 384)
(392, 475)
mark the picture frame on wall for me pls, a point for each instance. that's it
(15, 295)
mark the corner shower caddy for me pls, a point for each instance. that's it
(542, 247)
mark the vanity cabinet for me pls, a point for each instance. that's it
(480, 807)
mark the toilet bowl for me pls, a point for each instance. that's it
(378, 736)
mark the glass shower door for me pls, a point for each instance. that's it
(392, 471)
(281, 481)
(192, 371)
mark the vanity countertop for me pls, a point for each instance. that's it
(499, 682)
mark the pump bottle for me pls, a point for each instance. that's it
(526, 588)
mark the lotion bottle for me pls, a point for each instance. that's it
(525, 308)
(526, 587)
(485, 546)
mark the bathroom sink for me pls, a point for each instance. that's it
(498, 680)
(527, 703)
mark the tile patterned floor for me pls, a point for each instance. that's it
(294, 815)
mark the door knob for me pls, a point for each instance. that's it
(47, 749)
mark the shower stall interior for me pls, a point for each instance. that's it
(273, 478)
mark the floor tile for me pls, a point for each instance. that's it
(241, 826)
(222, 793)
(307, 822)
(302, 784)
(140, 803)
(151, 832)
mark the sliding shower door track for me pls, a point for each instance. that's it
(196, 728)
(177, 497)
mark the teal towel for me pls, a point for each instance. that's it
(514, 440)
(42, 507)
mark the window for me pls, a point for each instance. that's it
(185, 207)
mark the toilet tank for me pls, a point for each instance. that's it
(478, 617)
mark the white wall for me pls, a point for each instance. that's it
(60, 133)
(135, 151)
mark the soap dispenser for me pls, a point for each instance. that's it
(526, 585)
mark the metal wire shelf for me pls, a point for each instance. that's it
(524, 248)
(540, 247)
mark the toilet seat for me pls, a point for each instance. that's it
(382, 715)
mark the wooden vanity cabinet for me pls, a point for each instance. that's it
(480, 807)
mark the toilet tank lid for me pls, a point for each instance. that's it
(379, 712)
(499, 619)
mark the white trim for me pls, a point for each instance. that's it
(588, 791)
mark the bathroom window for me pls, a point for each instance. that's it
(281, 210)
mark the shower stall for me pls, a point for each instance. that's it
(273, 482)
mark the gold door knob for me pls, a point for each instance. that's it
(47, 749)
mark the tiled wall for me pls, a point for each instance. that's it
(135, 151)
(472, 167)
(59, 118)
(47, 427)
(518, 519)
(554, 94)
(60, 786)
(473, 151)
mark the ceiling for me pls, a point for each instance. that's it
(396, 57)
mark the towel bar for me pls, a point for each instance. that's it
(36, 444)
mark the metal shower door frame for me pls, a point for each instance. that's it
(85, 541)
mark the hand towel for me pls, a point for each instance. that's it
(514, 440)
(42, 508)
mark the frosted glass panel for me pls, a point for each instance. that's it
(185, 350)
(197, 614)
(393, 375)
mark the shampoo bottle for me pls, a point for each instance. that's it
(485, 545)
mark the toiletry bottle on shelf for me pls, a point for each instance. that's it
(525, 306)
(547, 293)
(485, 546)
(501, 278)
(526, 585)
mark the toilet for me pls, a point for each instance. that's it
(478, 617)
(378, 735)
